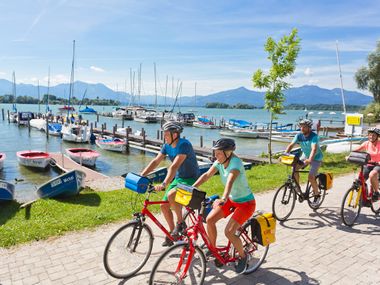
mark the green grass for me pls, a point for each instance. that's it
(47, 218)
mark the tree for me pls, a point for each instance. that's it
(368, 78)
(283, 55)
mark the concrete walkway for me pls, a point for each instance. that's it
(311, 248)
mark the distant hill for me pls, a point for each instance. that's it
(307, 94)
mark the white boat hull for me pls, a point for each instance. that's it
(37, 162)
(117, 147)
(204, 126)
(240, 134)
(74, 133)
(84, 158)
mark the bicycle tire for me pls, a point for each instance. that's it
(164, 269)
(310, 198)
(351, 206)
(257, 252)
(118, 258)
(287, 197)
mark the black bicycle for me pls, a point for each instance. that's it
(285, 198)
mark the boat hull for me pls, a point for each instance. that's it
(111, 145)
(74, 133)
(2, 159)
(83, 156)
(65, 185)
(36, 159)
(6, 191)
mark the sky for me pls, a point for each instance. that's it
(215, 45)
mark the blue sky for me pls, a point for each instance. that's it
(218, 44)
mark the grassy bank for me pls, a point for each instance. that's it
(46, 218)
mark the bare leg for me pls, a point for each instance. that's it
(215, 215)
(174, 205)
(168, 215)
(230, 231)
(314, 184)
(374, 178)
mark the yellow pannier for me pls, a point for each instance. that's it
(263, 228)
(326, 180)
(289, 159)
(189, 196)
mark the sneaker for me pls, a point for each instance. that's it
(316, 199)
(179, 229)
(375, 196)
(167, 242)
(241, 266)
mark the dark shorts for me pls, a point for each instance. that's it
(368, 168)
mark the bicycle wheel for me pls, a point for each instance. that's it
(128, 250)
(257, 252)
(310, 199)
(283, 202)
(375, 206)
(351, 205)
(170, 266)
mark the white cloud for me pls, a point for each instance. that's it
(308, 72)
(57, 79)
(96, 69)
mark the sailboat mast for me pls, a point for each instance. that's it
(14, 92)
(166, 89)
(195, 95)
(38, 94)
(340, 76)
(155, 86)
(139, 84)
(47, 99)
(71, 92)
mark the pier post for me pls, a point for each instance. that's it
(158, 134)
(162, 135)
(97, 118)
(96, 125)
(127, 140)
(87, 123)
(91, 128)
(9, 119)
(201, 141)
(114, 130)
(102, 129)
(29, 124)
(143, 136)
(2, 113)
(47, 127)
(122, 121)
(105, 126)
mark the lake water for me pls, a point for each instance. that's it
(14, 138)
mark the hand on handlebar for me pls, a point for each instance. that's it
(217, 203)
(159, 187)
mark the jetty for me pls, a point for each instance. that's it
(66, 164)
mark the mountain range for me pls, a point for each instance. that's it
(307, 94)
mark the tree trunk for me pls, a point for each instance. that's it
(270, 139)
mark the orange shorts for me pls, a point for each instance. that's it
(241, 211)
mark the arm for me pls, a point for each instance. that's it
(227, 189)
(289, 148)
(153, 164)
(172, 169)
(312, 154)
(205, 176)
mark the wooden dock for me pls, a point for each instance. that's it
(66, 164)
(154, 145)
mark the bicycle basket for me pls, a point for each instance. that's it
(189, 196)
(359, 158)
(326, 180)
(136, 183)
(289, 159)
(263, 226)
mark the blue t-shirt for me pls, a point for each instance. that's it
(189, 168)
(307, 142)
(240, 191)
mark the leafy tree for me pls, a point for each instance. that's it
(283, 55)
(368, 78)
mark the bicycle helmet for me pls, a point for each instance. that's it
(172, 127)
(225, 144)
(374, 130)
(306, 122)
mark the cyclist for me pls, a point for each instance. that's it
(312, 154)
(184, 169)
(237, 197)
(372, 146)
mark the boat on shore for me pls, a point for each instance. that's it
(65, 185)
(33, 158)
(112, 144)
(6, 191)
(2, 159)
(83, 155)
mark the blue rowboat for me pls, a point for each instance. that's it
(158, 175)
(65, 185)
(6, 191)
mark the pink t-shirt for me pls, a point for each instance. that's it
(373, 150)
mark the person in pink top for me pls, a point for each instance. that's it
(372, 146)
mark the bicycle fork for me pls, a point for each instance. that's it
(133, 242)
(357, 198)
(186, 258)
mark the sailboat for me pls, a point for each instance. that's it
(87, 110)
(341, 80)
(13, 114)
(71, 132)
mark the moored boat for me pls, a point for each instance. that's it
(204, 123)
(65, 185)
(75, 133)
(2, 159)
(112, 144)
(83, 155)
(87, 110)
(33, 158)
(6, 191)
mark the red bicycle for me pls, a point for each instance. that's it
(130, 247)
(358, 195)
(185, 262)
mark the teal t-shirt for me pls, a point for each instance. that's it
(307, 142)
(240, 191)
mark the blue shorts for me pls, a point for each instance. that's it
(314, 167)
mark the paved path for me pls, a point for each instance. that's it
(311, 248)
